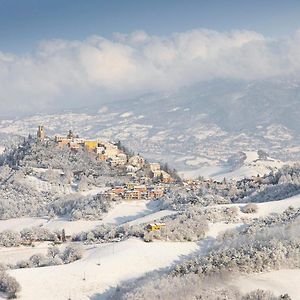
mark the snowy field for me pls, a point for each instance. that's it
(251, 167)
(20, 223)
(12, 255)
(279, 282)
(266, 208)
(103, 266)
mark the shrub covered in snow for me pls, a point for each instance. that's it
(268, 248)
(289, 216)
(54, 257)
(264, 295)
(81, 207)
(250, 208)
(8, 285)
(53, 252)
(71, 253)
(38, 234)
(9, 238)
(179, 198)
(258, 257)
(39, 260)
(108, 233)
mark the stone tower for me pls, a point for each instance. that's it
(41, 133)
(70, 135)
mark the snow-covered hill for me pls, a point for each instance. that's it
(244, 165)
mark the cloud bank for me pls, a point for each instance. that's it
(65, 74)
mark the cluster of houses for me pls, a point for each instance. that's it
(115, 157)
(132, 191)
(105, 151)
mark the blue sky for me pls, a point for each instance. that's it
(23, 23)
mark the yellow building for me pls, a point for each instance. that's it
(155, 226)
(166, 177)
(91, 145)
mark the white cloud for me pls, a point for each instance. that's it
(62, 74)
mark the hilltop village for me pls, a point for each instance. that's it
(148, 180)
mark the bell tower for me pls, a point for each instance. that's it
(41, 133)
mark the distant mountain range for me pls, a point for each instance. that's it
(191, 127)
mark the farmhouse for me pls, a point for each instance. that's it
(155, 226)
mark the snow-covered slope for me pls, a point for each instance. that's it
(279, 282)
(129, 212)
(266, 208)
(18, 224)
(103, 267)
(252, 165)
